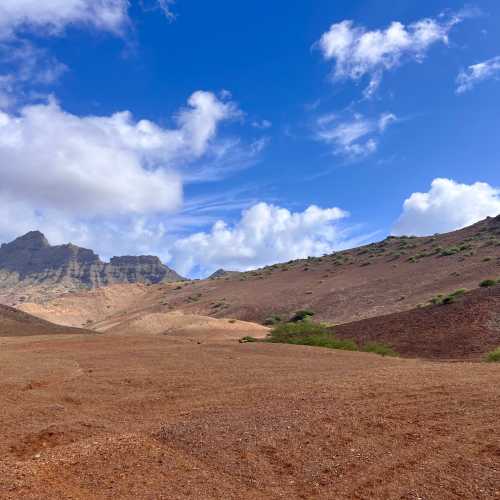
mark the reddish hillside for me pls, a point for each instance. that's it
(394, 275)
(465, 329)
(15, 323)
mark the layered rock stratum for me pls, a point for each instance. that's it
(31, 269)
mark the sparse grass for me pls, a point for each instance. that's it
(380, 349)
(493, 356)
(449, 251)
(441, 299)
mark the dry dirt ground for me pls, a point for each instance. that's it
(198, 415)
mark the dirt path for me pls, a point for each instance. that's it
(162, 416)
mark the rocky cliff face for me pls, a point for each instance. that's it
(31, 261)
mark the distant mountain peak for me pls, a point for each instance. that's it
(31, 260)
(31, 240)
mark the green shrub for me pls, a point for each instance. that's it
(494, 356)
(380, 349)
(441, 299)
(310, 334)
(450, 251)
(301, 315)
(438, 299)
(486, 283)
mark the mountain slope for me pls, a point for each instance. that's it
(467, 328)
(15, 323)
(31, 267)
(397, 274)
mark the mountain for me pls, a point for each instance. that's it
(222, 273)
(30, 264)
(394, 275)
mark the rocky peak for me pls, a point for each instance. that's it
(34, 240)
(30, 260)
(221, 273)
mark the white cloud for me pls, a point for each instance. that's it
(477, 73)
(53, 16)
(265, 234)
(108, 164)
(356, 137)
(358, 52)
(447, 206)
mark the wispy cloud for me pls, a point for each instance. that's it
(477, 73)
(355, 137)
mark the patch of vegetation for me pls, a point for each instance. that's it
(487, 283)
(449, 251)
(310, 334)
(301, 315)
(380, 349)
(441, 299)
(493, 356)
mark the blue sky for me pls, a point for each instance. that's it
(282, 117)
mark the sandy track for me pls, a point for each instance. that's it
(156, 416)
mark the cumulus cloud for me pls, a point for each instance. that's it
(448, 205)
(265, 234)
(356, 137)
(358, 52)
(478, 73)
(103, 164)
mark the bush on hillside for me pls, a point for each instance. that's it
(310, 334)
(380, 349)
(494, 356)
(487, 283)
(301, 315)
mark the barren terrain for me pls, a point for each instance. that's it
(156, 398)
(202, 416)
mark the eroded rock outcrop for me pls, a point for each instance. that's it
(30, 261)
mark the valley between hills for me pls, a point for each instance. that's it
(125, 380)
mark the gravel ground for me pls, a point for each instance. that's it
(173, 416)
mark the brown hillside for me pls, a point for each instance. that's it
(15, 323)
(465, 329)
(394, 275)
